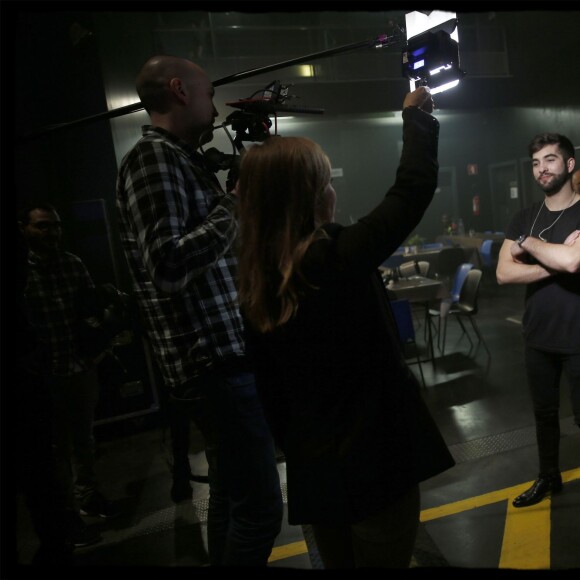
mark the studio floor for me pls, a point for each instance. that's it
(483, 409)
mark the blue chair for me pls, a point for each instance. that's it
(404, 319)
(459, 279)
(485, 251)
(467, 307)
(489, 252)
(448, 261)
(447, 303)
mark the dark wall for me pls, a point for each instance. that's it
(57, 80)
(60, 78)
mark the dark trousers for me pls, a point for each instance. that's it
(34, 469)
(245, 504)
(544, 371)
(179, 421)
(383, 540)
(75, 399)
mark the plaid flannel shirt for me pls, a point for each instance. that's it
(52, 297)
(178, 231)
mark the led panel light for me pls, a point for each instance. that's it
(431, 56)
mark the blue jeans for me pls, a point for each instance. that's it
(544, 371)
(245, 504)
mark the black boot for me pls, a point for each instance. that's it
(544, 485)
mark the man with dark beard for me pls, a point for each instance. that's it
(59, 294)
(551, 322)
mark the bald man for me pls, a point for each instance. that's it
(179, 234)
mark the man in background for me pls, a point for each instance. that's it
(538, 239)
(59, 295)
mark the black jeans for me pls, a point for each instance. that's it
(33, 472)
(383, 540)
(544, 371)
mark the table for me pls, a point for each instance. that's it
(469, 241)
(416, 289)
(470, 248)
(421, 254)
(398, 258)
(422, 290)
(431, 256)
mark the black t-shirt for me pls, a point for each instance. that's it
(552, 316)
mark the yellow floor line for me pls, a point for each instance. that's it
(526, 537)
(487, 498)
(526, 541)
(288, 551)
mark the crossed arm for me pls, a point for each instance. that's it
(553, 258)
(560, 257)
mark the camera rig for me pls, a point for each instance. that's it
(251, 122)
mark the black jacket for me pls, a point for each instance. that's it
(342, 404)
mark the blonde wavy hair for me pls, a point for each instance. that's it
(281, 189)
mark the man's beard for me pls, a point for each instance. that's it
(45, 247)
(556, 184)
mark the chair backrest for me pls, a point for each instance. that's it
(485, 252)
(404, 318)
(459, 280)
(411, 268)
(448, 261)
(424, 267)
(470, 291)
(408, 269)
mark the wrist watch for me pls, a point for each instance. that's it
(521, 239)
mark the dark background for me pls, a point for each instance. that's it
(63, 63)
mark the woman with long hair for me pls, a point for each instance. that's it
(342, 404)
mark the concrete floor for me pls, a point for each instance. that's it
(484, 411)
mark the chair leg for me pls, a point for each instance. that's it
(420, 367)
(464, 330)
(428, 331)
(427, 321)
(479, 335)
(418, 356)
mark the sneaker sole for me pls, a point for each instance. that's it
(87, 543)
(97, 515)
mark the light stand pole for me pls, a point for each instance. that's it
(380, 41)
